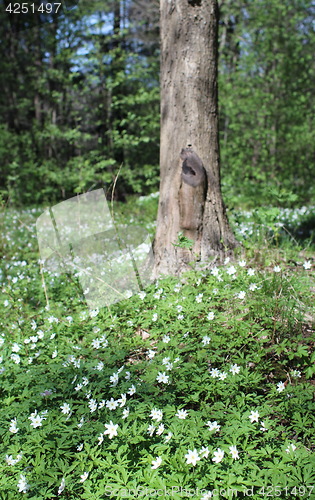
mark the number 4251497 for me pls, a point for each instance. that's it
(275, 491)
(25, 8)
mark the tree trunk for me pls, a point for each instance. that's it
(190, 194)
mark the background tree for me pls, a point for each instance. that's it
(267, 100)
(79, 97)
(189, 121)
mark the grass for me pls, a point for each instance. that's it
(198, 387)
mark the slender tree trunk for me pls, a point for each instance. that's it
(189, 122)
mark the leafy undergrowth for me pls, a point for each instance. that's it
(198, 387)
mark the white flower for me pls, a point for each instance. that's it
(307, 264)
(235, 369)
(160, 429)
(131, 391)
(122, 400)
(166, 339)
(252, 287)
(13, 426)
(214, 372)
(156, 463)
(155, 317)
(15, 347)
(168, 437)
(16, 358)
(263, 427)
(169, 366)
(111, 404)
(99, 366)
(94, 313)
(206, 496)
(142, 295)
(218, 456)
(290, 448)
(206, 340)
(251, 272)
(80, 447)
(242, 263)
(92, 404)
(111, 429)
(213, 426)
(151, 429)
(62, 486)
(234, 452)
(254, 416)
(22, 484)
(222, 375)
(52, 319)
(65, 408)
(150, 354)
(36, 420)
(54, 354)
(163, 378)
(199, 297)
(81, 422)
(96, 344)
(182, 414)
(296, 373)
(84, 476)
(277, 269)
(12, 461)
(156, 414)
(204, 452)
(125, 413)
(231, 270)
(241, 295)
(280, 386)
(192, 457)
(210, 315)
(114, 379)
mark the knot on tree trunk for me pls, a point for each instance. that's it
(192, 193)
(193, 172)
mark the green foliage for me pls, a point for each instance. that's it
(76, 105)
(183, 242)
(79, 101)
(201, 383)
(266, 100)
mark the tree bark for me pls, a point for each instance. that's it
(189, 123)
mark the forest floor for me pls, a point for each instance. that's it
(198, 387)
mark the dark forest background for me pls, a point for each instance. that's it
(79, 101)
